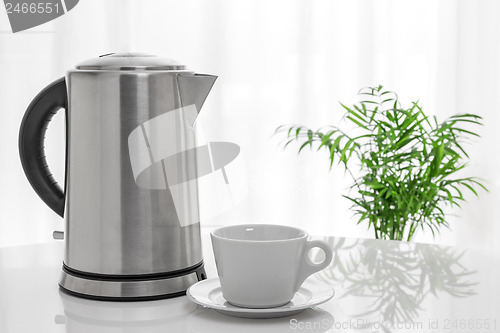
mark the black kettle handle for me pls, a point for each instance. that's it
(31, 143)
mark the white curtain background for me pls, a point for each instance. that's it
(278, 62)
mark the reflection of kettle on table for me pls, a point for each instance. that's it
(87, 316)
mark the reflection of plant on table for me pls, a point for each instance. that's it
(396, 277)
(407, 162)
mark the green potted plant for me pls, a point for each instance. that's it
(408, 163)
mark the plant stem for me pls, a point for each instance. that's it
(413, 226)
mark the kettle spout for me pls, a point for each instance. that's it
(194, 89)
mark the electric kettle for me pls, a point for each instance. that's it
(130, 137)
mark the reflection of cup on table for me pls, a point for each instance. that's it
(263, 265)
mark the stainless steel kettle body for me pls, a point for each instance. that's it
(132, 225)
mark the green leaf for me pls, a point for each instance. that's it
(304, 144)
(470, 188)
(344, 151)
(356, 122)
(336, 143)
(326, 139)
(465, 131)
(289, 141)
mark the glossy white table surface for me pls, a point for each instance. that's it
(381, 286)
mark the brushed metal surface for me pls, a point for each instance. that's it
(125, 289)
(130, 61)
(113, 226)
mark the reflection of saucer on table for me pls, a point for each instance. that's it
(312, 320)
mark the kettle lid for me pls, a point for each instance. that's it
(130, 62)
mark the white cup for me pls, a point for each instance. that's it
(263, 265)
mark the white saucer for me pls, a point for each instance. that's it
(209, 294)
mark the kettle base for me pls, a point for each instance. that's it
(132, 287)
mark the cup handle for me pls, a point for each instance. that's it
(307, 267)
